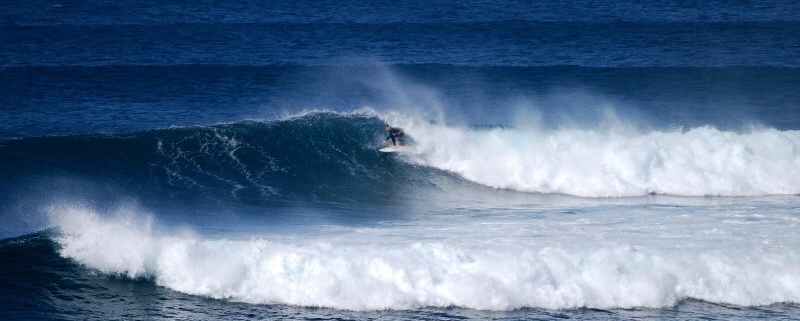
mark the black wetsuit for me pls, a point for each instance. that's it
(395, 133)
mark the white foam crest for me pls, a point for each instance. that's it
(614, 161)
(122, 246)
(365, 271)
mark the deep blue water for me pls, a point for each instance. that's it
(595, 160)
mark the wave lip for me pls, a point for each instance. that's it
(702, 161)
(361, 272)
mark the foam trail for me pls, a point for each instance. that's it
(368, 270)
(701, 161)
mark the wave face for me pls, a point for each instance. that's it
(318, 157)
(489, 267)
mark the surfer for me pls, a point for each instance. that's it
(394, 134)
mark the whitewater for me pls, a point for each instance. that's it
(502, 218)
(542, 257)
(615, 161)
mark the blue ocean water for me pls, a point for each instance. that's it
(597, 160)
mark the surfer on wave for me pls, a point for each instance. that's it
(394, 134)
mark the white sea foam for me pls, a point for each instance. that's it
(491, 264)
(613, 161)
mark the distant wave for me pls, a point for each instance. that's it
(502, 43)
(319, 156)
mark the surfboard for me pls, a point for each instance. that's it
(391, 149)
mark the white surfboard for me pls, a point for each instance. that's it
(391, 149)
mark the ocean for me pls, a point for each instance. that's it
(594, 160)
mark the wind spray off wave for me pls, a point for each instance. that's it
(700, 161)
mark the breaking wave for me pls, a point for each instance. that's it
(361, 271)
(331, 156)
